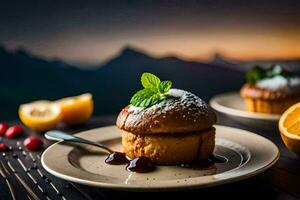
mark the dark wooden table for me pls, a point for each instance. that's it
(282, 181)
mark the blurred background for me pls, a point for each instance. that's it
(53, 49)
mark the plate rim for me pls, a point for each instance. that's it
(214, 103)
(153, 188)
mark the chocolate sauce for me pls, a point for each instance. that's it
(116, 158)
(141, 165)
(205, 164)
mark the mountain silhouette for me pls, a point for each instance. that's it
(26, 77)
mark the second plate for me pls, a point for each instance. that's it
(233, 106)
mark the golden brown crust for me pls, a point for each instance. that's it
(175, 115)
(176, 122)
(251, 91)
(172, 148)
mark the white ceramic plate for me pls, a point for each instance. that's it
(232, 105)
(248, 154)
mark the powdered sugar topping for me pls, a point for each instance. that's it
(177, 100)
(278, 83)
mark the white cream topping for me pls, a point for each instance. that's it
(278, 82)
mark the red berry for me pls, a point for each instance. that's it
(3, 147)
(14, 131)
(3, 127)
(33, 143)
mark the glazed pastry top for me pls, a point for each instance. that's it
(181, 112)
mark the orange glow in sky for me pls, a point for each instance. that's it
(191, 46)
(193, 30)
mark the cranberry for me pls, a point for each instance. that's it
(14, 131)
(3, 127)
(3, 147)
(33, 143)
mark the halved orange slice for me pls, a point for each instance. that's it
(76, 110)
(40, 115)
(289, 127)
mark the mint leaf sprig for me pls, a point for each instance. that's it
(255, 74)
(258, 73)
(154, 91)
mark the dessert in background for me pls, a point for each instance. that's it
(271, 90)
(169, 126)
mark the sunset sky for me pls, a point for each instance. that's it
(90, 32)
